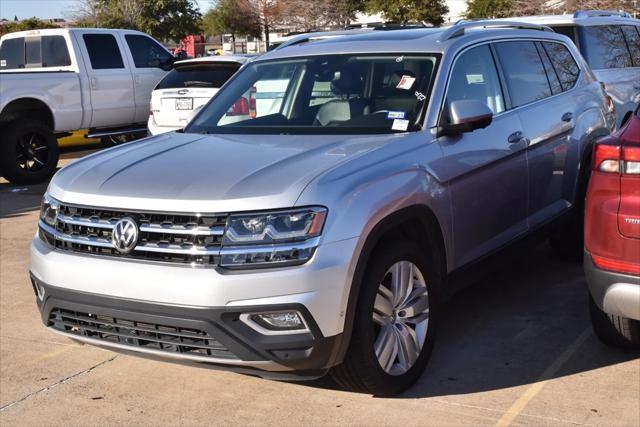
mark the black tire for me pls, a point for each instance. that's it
(614, 330)
(28, 152)
(360, 370)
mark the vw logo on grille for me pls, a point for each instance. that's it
(125, 235)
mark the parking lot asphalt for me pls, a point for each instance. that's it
(515, 349)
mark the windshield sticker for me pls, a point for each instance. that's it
(396, 114)
(406, 82)
(399, 124)
(3, 62)
(475, 79)
(400, 59)
(421, 96)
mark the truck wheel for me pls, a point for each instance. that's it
(393, 331)
(614, 330)
(28, 152)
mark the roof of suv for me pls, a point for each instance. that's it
(239, 59)
(581, 18)
(415, 40)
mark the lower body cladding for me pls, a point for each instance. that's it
(200, 316)
(614, 293)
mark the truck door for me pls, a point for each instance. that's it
(109, 80)
(149, 62)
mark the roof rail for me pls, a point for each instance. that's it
(320, 35)
(594, 13)
(459, 28)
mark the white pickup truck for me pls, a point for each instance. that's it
(60, 80)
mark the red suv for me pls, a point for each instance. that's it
(612, 236)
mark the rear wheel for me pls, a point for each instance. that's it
(393, 331)
(28, 152)
(614, 330)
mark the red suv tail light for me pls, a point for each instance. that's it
(615, 159)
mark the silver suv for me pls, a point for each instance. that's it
(322, 226)
(610, 42)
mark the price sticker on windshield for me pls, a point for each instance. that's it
(406, 82)
(399, 124)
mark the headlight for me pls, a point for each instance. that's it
(274, 227)
(272, 239)
(49, 210)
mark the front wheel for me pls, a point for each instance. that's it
(28, 152)
(394, 325)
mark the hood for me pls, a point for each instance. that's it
(207, 173)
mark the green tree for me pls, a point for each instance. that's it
(477, 9)
(406, 11)
(25, 25)
(162, 19)
(235, 17)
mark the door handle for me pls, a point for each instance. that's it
(566, 117)
(516, 137)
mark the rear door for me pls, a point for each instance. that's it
(540, 77)
(187, 87)
(149, 62)
(486, 169)
(110, 80)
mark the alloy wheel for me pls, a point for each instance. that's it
(32, 152)
(400, 317)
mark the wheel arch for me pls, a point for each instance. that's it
(416, 222)
(32, 107)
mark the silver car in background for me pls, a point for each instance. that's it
(324, 231)
(610, 42)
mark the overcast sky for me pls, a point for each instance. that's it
(52, 8)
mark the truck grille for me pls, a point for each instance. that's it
(180, 238)
(170, 339)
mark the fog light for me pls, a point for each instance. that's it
(283, 321)
(39, 290)
(276, 322)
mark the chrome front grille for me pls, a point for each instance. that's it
(168, 237)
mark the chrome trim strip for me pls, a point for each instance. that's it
(265, 365)
(200, 231)
(85, 222)
(177, 249)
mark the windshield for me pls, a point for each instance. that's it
(321, 95)
(201, 75)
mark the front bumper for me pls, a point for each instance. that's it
(614, 293)
(203, 299)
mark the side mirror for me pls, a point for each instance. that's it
(466, 116)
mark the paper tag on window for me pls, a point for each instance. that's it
(475, 78)
(3, 62)
(396, 114)
(399, 124)
(406, 82)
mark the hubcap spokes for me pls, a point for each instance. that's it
(31, 152)
(401, 316)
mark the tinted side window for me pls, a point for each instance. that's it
(12, 54)
(552, 76)
(103, 51)
(523, 71)
(604, 47)
(55, 52)
(474, 76)
(632, 38)
(146, 52)
(563, 63)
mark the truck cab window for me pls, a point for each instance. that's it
(146, 53)
(103, 50)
